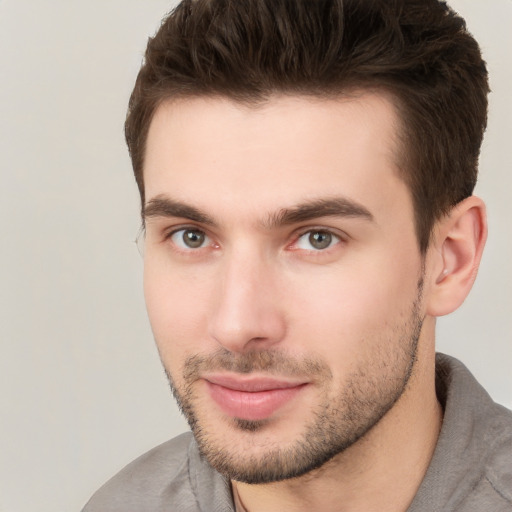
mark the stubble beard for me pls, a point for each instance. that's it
(336, 423)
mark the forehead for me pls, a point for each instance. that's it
(215, 153)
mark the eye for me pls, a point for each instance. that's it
(190, 238)
(317, 240)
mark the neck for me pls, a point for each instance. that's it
(382, 471)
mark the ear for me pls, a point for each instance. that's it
(458, 243)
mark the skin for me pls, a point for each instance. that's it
(353, 322)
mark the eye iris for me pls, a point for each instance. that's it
(320, 239)
(193, 239)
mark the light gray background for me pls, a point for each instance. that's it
(81, 388)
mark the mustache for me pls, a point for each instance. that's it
(272, 362)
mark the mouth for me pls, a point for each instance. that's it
(251, 397)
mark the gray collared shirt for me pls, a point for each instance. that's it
(471, 470)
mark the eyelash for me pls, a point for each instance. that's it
(336, 239)
(168, 237)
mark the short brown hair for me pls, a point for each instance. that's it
(419, 51)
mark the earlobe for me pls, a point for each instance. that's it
(459, 242)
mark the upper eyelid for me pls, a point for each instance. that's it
(293, 237)
(342, 239)
(343, 235)
(169, 231)
(208, 241)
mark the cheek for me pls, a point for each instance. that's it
(358, 305)
(175, 304)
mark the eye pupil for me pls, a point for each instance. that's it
(193, 238)
(320, 239)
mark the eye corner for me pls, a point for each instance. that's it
(316, 240)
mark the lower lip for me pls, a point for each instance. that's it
(253, 406)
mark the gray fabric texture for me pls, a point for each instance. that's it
(471, 469)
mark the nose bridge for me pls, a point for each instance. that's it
(246, 314)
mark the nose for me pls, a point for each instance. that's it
(247, 312)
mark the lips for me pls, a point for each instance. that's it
(251, 398)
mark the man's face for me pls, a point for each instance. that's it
(282, 275)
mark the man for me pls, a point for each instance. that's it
(306, 170)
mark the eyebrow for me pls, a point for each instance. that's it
(163, 206)
(326, 207)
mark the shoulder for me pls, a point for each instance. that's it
(491, 488)
(141, 485)
(471, 469)
(497, 477)
(487, 442)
